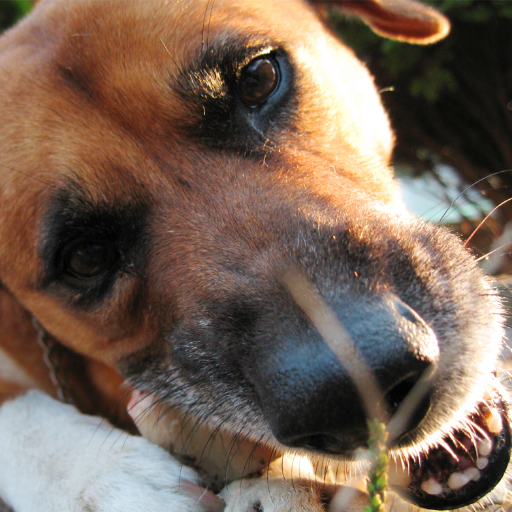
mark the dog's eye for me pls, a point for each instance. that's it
(258, 80)
(88, 260)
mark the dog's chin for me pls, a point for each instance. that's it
(453, 469)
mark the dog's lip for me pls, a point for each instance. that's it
(464, 466)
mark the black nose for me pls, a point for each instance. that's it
(307, 393)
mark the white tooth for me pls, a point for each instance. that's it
(461, 478)
(494, 422)
(482, 462)
(431, 486)
(484, 447)
(458, 480)
(473, 473)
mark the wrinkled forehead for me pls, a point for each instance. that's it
(130, 40)
(124, 38)
(123, 81)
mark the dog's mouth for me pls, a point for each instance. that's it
(457, 470)
(464, 466)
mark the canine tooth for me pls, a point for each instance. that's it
(431, 486)
(482, 462)
(458, 480)
(494, 422)
(484, 447)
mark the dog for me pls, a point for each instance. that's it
(192, 192)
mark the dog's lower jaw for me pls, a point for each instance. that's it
(266, 345)
(456, 467)
(459, 468)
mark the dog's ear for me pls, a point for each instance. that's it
(405, 20)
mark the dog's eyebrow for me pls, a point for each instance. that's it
(209, 87)
(220, 60)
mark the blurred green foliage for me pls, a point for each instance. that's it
(12, 10)
(451, 101)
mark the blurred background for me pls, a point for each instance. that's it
(451, 107)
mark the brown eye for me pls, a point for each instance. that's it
(88, 260)
(258, 80)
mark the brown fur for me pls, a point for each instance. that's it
(95, 110)
(121, 114)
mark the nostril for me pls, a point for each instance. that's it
(398, 393)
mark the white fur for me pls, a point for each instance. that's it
(272, 495)
(55, 459)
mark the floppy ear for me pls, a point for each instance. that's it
(404, 20)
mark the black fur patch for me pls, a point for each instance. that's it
(221, 120)
(73, 215)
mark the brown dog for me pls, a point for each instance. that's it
(164, 166)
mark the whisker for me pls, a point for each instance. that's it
(469, 187)
(167, 50)
(485, 219)
(494, 251)
(32, 177)
(209, 7)
(199, 422)
(251, 453)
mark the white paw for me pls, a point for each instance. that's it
(272, 495)
(135, 475)
(55, 458)
(290, 485)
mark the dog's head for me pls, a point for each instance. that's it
(177, 176)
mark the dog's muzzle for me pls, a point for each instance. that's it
(312, 401)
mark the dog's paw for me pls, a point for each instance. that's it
(135, 475)
(291, 485)
(272, 495)
(55, 458)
